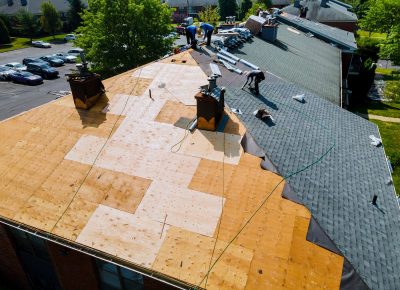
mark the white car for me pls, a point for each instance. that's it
(39, 43)
(66, 57)
(16, 66)
(75, 51)
(69, 37)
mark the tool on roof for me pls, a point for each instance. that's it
(263, 114)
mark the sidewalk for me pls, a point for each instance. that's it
(380, 118)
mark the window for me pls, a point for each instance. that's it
(113, 277)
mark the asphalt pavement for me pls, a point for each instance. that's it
(17, 98)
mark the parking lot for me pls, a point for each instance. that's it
(17, 98)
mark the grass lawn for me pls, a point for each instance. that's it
(376, 35)
(21, 42)
(390, 133)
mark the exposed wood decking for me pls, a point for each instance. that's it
(117, 179)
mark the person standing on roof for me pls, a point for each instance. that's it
(191, 35)
(255, 75)
(208, 31)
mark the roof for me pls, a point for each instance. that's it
(33, 6)
(332, 13)
(346, 171)
(124, 179)
(308, 62)
(343, 39)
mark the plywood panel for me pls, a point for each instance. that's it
(213, 145)
(148, 135)
(188, 209)
(75, 218)
(114, 189)
(176, 113)
(124, 235)
(187, 256)
(149, 163)
(86, 149)
(180, 58)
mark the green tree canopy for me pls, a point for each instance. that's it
(4, 36)
(384, 16)
(118, 35)
(76, 7)
(210, 15)
(227, 8)
(29, 23)
(50, 19)
(244, 8)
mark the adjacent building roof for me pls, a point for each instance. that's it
(346, 171)
(303, 60)
(332, 12)
(33, 6)
(345, 40)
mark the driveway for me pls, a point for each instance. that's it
(17, 98)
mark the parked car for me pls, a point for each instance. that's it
(75, 51)
(5, 73)
(16, 66)
(69, 37)
(29, 60)
(66, 57)
(26, 78)
(52, 60)
(39, 43)
(44, 70)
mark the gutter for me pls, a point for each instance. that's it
(101, 255)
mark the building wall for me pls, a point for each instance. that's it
(348, 26)
(75, 270)
(10, 266)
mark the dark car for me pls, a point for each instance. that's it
(52, 60)
(26, 78)
(29, 60)
(5, 73)
(42, 69)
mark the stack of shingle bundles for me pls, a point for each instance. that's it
(254, 24)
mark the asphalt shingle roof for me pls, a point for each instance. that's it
(332, 13)
(342, 38)
(308, 62)
(338, 189)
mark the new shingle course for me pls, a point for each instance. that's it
(308, 62)
(338, 189)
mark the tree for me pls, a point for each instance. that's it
(29, 22)
(227, 8)
(244, 7)
(4, 36)
(50, 19)
(76, 7)
(210, 15)
(118, 35)
(383, 16)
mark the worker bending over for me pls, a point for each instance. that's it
(255, 75)
(208, 31)
(191, 35)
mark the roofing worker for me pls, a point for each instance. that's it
(191, 35)
(258, 76)
(208, 31)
